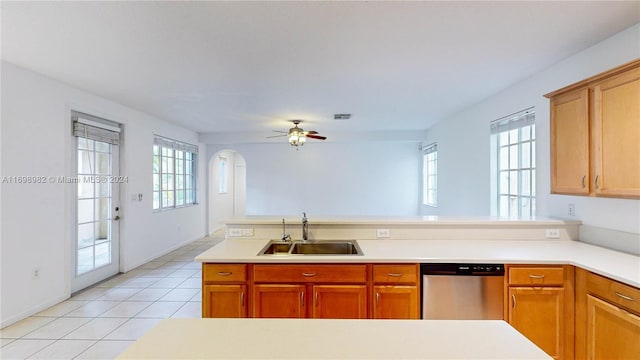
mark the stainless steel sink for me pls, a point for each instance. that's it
(277, 248)
(342, 247)
(326, 248)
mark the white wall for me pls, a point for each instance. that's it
(463, 142)
(36, 218)
(357, 179)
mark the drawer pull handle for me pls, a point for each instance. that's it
(224, 273)
(513, 296)
(394, 274)
(625, 297)
(309, 274)
(536, 276)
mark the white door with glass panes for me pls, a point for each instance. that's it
(97, 212)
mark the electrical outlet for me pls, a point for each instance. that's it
(247, 232)
(553, 233)
(235, 232)
(382, 233)
(572, 209)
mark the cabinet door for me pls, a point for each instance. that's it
(279, 301)
(538, 313)
(339, 301)
(224, 301)
(570, 143)
(395, 302)
(617, 136)
(612, 333)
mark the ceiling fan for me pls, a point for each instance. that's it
(297, 136)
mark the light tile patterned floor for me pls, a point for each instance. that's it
(102, 321)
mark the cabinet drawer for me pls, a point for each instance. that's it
(620, 294)
(536, 276)
(224, 272)
(310, 273)
(395, 273)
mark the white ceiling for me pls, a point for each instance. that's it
(249, 66)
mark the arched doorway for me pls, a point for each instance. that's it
(227, 187)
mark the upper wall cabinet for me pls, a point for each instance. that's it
(595, 135)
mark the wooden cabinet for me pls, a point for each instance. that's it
(396, 302)
(339, 302)
(607, 318)
(616, 135)
(540, 306)
(570, 143)
(310, 290)
(395, 291)
(279, 301)
(595, 135)
(329, 291)
(224, 291)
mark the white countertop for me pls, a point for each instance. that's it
(332, 339)
(398, 220)
(613, 264)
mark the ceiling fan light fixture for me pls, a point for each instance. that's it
(296, 138)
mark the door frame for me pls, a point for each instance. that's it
(75, 285)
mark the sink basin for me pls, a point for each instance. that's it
(276, 247)
(327, 248)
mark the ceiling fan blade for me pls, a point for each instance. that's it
(317, 137)
(310, 132)
(279, 131)
(275, 136)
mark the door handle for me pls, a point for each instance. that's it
(377, 298)
(583, 183)
(302, 298)
(242, 298)
(513, 296)
(316, 298)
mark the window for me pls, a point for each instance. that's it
(174, 173)
(222, 175)
(430, 175)
(514, 163)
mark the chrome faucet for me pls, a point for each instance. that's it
(305, 227)
(285, 236)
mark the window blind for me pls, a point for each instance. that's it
(513, 121)
(174, 144)
(431, 148)
(95, 128)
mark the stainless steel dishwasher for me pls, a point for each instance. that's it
(462, 291)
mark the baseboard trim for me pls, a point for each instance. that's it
(34, 310)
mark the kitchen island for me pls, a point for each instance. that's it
(332, 339)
